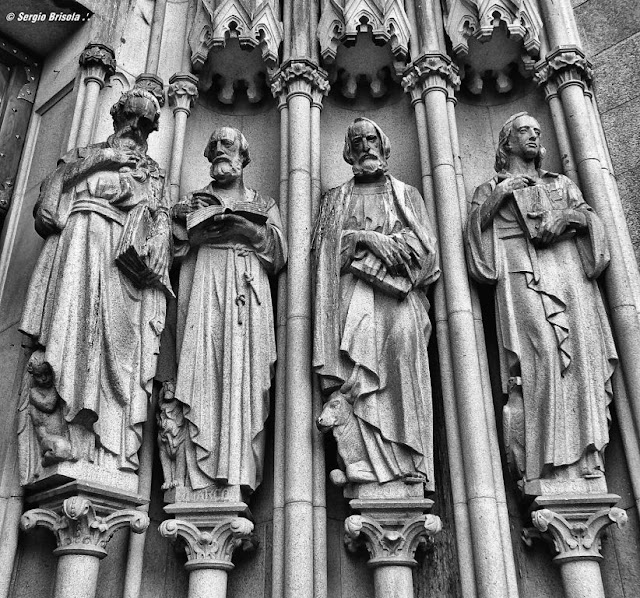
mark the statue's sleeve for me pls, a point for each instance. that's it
(593, 247)
(480, 245)
(420, 240)
(272, 253)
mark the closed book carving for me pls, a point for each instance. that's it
(370, 268)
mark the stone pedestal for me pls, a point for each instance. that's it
(391, 528)
(573, 524)
(211, 532)
(83, 519)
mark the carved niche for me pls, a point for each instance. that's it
(374, 35)
(493, 38)
(224, 39)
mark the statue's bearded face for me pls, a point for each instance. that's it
(366, 150)
(224, 153)
(136, 120)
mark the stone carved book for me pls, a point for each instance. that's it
(540, 198)
(371, 269)
(199, 221)
(131, 251)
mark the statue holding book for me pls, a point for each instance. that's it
(531, 234)
(96, 303)
(225, 335)
(375, 256)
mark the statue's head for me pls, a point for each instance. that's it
(136, 115)
(366, 148)
(520, 136)
(40, 370)
(228, 152)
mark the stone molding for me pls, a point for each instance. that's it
(566, 65)
(574, 525)
(253, 27)
(478, 19)
(78, 528)
(300, 77)
(390, 530)
(213, 546)
(339, 25)
(99, 62)
(153, 84)
(182, 92)
(431, 71)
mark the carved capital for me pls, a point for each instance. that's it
(431, 71)
(79, 530)
(153, 84)
(300, 77)
(99, 62)
(182, 92)
(566, 65)
(211, 548)
(390, 542)
(574, 527)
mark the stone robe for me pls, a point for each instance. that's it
(99, 331)
(553, 330)
(226, 352)
(357, 323)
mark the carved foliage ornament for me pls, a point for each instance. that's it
(182, 91)
(390, 544)
(431, 70)
(210, 549)
(99, 61)
(342, 20)
(300, 76)
(255, 26)
(79, 530)
(564, 66)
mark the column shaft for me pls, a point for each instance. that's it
(91, 95)
(393, 581)
(582, 579)
(476, 447)
(299, 545)
(76, 576)
(177, 151)
(208, 583)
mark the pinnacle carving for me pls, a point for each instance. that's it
(341, 25)
(390, 543)
(574, 534)
(99, 61)
(300, 77)
(564, 66)
(431, 70)
(211, 549)
(182, 91)
(79, 530)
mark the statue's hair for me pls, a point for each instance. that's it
(347, 152)
(502, 153)
(136, 92)
(244, 145)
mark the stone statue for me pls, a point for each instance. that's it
(375, 256)
(95, 306)
(531, 234)
(225, 339)
(172, 434)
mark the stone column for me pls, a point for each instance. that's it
(211, 533)
(392, 530)
(298, 81)
(83, 526)
(99, 64)
(574, 526)
(431, 80)
(182, 93)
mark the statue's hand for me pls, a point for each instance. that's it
(553, 224)
(117, 158)
(508, 185)
(231, 225)
(393, 256)
(157, 257)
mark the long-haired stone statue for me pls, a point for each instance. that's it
(375, 257)
(531, 234)
(95, 306)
